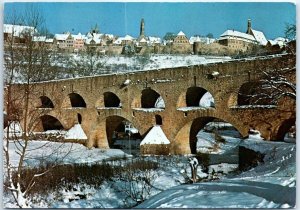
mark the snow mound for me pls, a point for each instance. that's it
(14, 129)
(155, 136)
(75, 132)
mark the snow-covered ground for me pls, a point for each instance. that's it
(155, 61)
(271, 184)
(256, 188)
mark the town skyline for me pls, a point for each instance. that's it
(122, 18)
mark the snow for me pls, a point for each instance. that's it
(39, 38)
(154, 40)
(191, 108)
(254, 107)
(207, 100)
(17, 29)
(143, 40)
(15, 130)
(149, 109)
(61, 37)
(260, 37)
(181, 34)
(75, 132)
(155, 136)
(278, 41)
(256, 188)
(204, 40)
(127, 82)
(160, 103)
(128, 38)
(236, 34)
(67, 153)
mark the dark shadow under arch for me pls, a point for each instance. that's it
(46, 102)
(284, 129)
(115, 129)
(149, 98)
(51, 123)
(111, 100)
(77, 100)
(194, 95)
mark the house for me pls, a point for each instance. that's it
(237, 41)
(17, 32)
(203, 40)
(60, 40)
(240, 41)
(79, 41)
(276, 45)
(181, 44)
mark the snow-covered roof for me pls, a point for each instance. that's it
(39, 38)
(194, 39)
(155, 136)
(260, 37)
(89, 35)
(281, 39)
(155, 40)
(78, 36)
(61, 37)
(110, 36)
(278, 41)
(233, 33)
(128, 38)
(49, 40)
(180, 34)
(75, 132)
(97, 36)
(17, 29)
(118, 41)
(143, 40)
(96, 40)
(272, 42)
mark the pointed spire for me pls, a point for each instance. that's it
(249, 27)
(142, 28)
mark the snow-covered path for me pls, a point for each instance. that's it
(271, 184)
(224, 194)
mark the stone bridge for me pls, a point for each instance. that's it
(101, 103)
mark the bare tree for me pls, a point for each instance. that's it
(290, 31)
(25, 62)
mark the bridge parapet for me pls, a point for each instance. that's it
(129, 96)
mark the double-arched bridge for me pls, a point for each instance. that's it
(168, 97)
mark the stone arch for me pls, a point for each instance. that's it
(194, 97)
(111, 100)
(50, 123)
(150, 99)
(253, 93)
(45, 102)
(284, 128)
(76, 100)
(115, 130)
(186, 138)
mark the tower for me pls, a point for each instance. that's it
(142, 28)
(249, 27)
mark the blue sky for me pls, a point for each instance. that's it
(121, 18)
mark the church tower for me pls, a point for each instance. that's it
(142, 28)
(249, 27)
